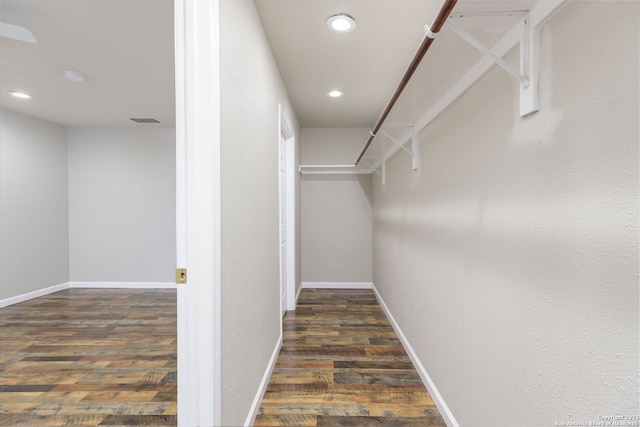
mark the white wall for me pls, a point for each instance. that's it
(122, 204)
(336, 209)
(332, 146)
(510, 260)
(336, 228)
(34, 246)
(249, 98)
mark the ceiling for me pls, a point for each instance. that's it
(125, 49)
(369, 62)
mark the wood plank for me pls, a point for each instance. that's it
(314, 408)
(283, 363)
(272, 396)
(139, 420)
(399, 410)
(425, 421)
(19, 420)
(302, 377)
(286, 420)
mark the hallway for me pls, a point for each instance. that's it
(341, 363)
(494, 214)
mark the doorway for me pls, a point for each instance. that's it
(287, 213)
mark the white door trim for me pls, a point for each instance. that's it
(198, 211)
(283, 213)
(291, 222)
(290, 146)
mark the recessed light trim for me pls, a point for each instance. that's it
(74, 75)
(19, 94)
(341, 23)
(335, 93)
(146, 120)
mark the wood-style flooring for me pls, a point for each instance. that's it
(341, 364)
(89, 357)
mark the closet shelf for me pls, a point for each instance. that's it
(334, 170)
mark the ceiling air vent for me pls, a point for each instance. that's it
(144, 120)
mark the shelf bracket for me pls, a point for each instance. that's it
(397, 142)
(415, 149)
(529, 48)
(371, 167)
(383, 167)
(529, 60)
(384, 173)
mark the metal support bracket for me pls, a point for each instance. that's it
(415, 149)
(529, 60)
(371, 167)
(384, 173)
(526, 76)
(395, 141)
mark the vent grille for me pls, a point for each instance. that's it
(144, 120)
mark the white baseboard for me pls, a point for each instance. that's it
(33, 294)
(298, 293)
(337, 285)
(255, 406)
(108, 285)
(124, 285)
(445, 412)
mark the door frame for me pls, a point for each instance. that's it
(286, 130)
(197, 62)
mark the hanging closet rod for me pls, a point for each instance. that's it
(431, 31)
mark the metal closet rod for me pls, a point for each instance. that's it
(432, 30)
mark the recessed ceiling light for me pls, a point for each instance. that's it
(335, 93)
(74, 75)
(341, 23)
(21, 95)
(144, 120)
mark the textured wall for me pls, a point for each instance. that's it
(250, 94)
(332, 146)
(122, 223)
(336, 209)
(336, 228)
(510, 260)
(34, 244)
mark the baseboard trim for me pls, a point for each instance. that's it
(33, 294)
(445, 412)
(105, 285)
(124, 285)
(255, 406)
(298, 293)
(337, 285)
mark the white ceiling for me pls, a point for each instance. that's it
(125, 48)
(369, 62)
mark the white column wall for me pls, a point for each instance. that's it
(251, 90)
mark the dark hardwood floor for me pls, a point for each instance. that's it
(341, 364)
(98, 357)
(88, 357)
